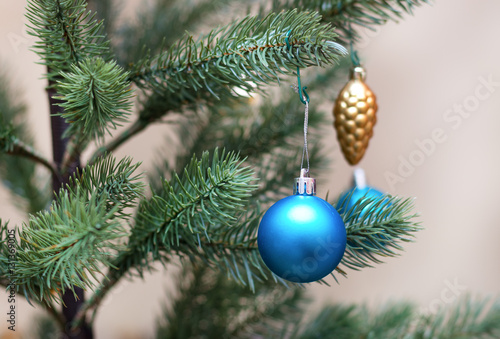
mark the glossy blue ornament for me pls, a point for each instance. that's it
(354, 195)
(358, 192)
(302, 238)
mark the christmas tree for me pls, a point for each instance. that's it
(102, 219)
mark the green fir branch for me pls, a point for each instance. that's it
(45, 328)
(170, 75)
(375, 234)
(375, 228)
(356, 321)
(270, 135)
(221, 308)
(250, 49)
(209, 304)
(232, 250)
(65, 246)
(209, 194)
(162, 23)
(468, 318)
(18, 159)
(276, 126)
(133, 129)
(107, 11)
(96, 98)
(116, 184)
(10, 145)
(8, 269)
(348, 16)
(67, 33)
(4, 254)
(464, 319)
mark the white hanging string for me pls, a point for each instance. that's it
(305, 151)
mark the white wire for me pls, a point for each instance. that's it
(305, 150)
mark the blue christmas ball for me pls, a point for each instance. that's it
(301, 238)
(348, 199)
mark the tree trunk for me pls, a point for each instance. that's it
(71, 305)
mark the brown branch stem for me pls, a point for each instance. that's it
(21, 149)
(72, 154)
(95, 300)
(132, 130)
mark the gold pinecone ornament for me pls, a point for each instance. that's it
(354, 116)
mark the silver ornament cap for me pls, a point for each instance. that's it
(304, 184)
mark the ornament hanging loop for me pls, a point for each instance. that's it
(303, 96)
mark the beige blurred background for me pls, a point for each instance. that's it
(437, 78)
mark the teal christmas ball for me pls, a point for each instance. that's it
(348, 199)
(301, 238)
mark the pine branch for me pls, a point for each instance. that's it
(161, 24)
(4, 254)
(8, 268)
(18, 172)
(76, 236)
(46, 328)
(232, 250)
(96, 97)
(67, 34)
(370, 236)
(12, 146)
(270, 135)
(106, 11)
(133, 129)
(229, 310)
(349, 15)
(353, 321)
(468, 318)
(377, 233)
(249, 49)
(208, 194)
(113, 183)
(210, 305)
(375, 228)
(463, 319)
(59, 248)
